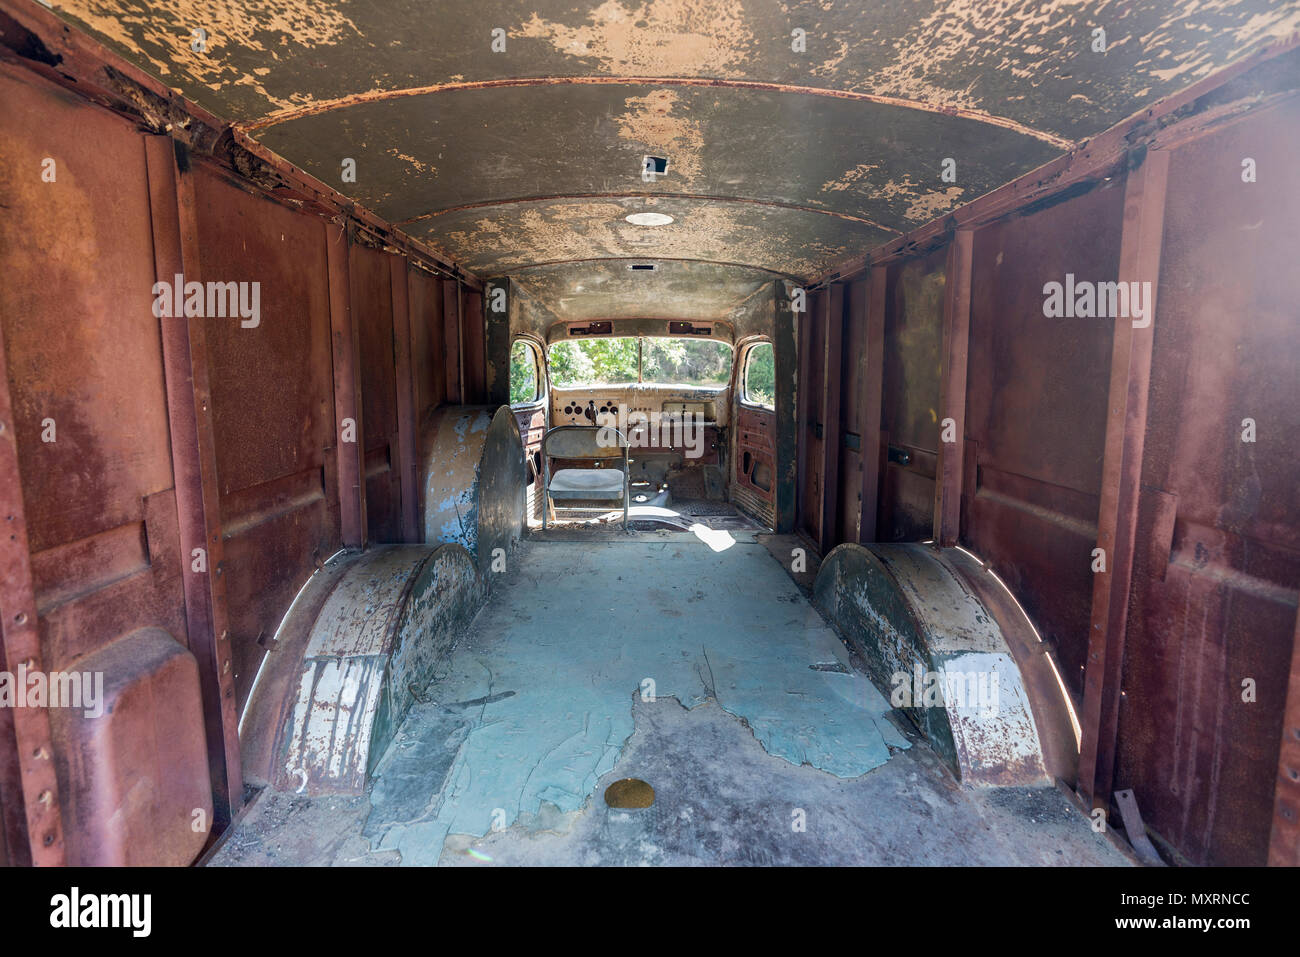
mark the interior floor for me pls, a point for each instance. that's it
(663, 511)
(602, 656)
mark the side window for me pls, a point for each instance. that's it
(758, 385)
(524, 374)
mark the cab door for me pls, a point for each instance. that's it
(753, 480)
(529, 393)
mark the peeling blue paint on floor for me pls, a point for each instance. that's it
(541, 692)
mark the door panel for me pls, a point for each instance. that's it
(753, 487)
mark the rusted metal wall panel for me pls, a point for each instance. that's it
(854, 373)
(29, 800)
(784, 325)
(372, 310)
(474, 346)
(115, 408)
(76, 317)
(174, 212)
(85, 368)
(810, 389)
(873, 454)
(348, 464)
(428, 369)
(1284, 841)
(954, 359)
(913, 339)
(406, 422)
(272, 408)
(1215, 589)
(453, 354)
(1036, 401)
(831, 302)
(1126, 422)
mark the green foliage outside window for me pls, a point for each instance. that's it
(623, 360)
(523, 373)
(760, 375)
(593, 362)
(697, 362)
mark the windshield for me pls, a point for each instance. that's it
(620, 361)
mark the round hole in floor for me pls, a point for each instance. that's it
(629, 793)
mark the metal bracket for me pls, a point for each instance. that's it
(1135, 829)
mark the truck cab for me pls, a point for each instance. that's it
(587, 433)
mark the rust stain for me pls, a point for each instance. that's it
(226, 26)
(584, 230)
(668, 37)
(851, 180)
(1024, 39)
(923, 204)
(927, 207)
(649, 122)
(412, 161)
(1201, 60)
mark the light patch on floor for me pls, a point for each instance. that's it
(720, 799)
(537, 705)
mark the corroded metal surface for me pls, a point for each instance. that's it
(262, 719)
(473, 475)
(1016, 60)
(1036, 407)
(387, 621)
(1216, 573)
(680, 290)
(592, 88)
(149, 709)
(917, 624)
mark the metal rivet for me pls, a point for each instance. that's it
(48, 839)
(46, 798)
(225, 669)
(40, 754)
(21, 618)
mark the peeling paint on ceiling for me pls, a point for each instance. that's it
(781, 157)
(602, 289)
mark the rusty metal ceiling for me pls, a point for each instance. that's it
(780, 162)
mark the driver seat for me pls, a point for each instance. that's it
(594, 486)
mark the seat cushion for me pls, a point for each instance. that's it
(602, 484)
